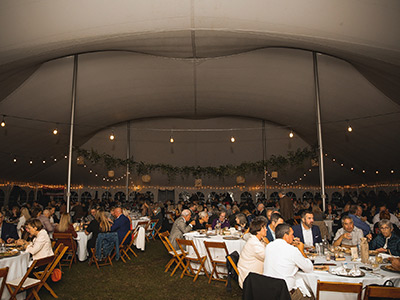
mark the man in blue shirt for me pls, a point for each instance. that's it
(355, 213)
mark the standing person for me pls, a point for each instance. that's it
(121, 225)
(306, 231)
(179, 227)
(286, 207)
(284, 257)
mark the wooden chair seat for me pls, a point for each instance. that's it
(188, 270)
(217, 260)
(99, 263)
(3, 277)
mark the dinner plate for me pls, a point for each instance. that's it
(351, 276)
(9, 254)
(389, 268)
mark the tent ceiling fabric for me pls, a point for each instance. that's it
(161, 61)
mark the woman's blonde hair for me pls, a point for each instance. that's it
(64, 223)
(105, 225)
(25, 213)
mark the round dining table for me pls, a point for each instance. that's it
(378, 276)
(198, 240)
(18, 265)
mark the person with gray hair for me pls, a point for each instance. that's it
(386, 241)
(179, 227)
(201, 221)
(44, 218)
(349, 235)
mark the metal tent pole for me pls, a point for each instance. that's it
(319, 130)
(128, 155)
(71, 134)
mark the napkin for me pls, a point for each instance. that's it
(339, 271)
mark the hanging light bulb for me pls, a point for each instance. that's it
(55, 131)
(352, 169)
(3, 123)
(377, 172)
(65, 156)
(233, 139)
(291, 134)
(349, 128)
(30, 161)
(363, 171)
(44, 161)
(112, 136)
(392, 171)
(15, 159)
(171, 139)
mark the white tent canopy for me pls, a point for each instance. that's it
(200, 64)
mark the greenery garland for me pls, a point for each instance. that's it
(275, 162)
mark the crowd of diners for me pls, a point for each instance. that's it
(275, 244)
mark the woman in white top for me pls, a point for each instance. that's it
(253, 253)
(22, 219)
(40, 247)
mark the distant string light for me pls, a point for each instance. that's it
(3, 122)
(112, 136)
(171, 139)
(291, 135)
(233, 139)
(55, 131)
(15, 160)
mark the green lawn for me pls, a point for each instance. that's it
(142, 277)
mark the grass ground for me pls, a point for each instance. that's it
(142, 277)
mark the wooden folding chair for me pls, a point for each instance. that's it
(44, 275)
(382, 292)
(24, 283)
(191, 259)
(170, 217)
(68, 240)
(296, 220)
(177, 255)
(123, 247)
(217, 260)
(99, 263)
(233, 264)
(150, 228)
(342, 287)
(128, 247)
(3, 276)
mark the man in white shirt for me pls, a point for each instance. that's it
(349, 235)
(284, 257)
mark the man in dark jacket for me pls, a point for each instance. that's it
(121, 225)
(308, 233)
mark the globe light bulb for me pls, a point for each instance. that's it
(349, 129)
(171, 140)
(55, 131)
(291, 135)
(233, 139)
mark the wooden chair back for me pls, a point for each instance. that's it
(184, 246)
(382, 292)
(15, 286)
(122, 247)
(68, 240)
(3, 276)
(233, 264)
(176, 254)
(170, 216)
(342, 287)
(130, 245)
(217, 261)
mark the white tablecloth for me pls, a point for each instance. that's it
(136, 221)
(82, 240)
(18, 266)
(311, 279)
(140, 241)
(231, 245)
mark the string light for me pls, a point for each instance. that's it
(291, 135)
(55, 131)
(349, 128)
(55, 159)
(3, 123)
(233, 139)
(65, 156)
(171, 139)
(112, 136)
(392, 171)
(15, 160)
(30, 161)
(44, 161)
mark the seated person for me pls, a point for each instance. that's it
(40, 247)
(276, 219)
(386, 241)
(121, 225)
(349, 235)
(201, 221)
(253, 253)
(241, 222)
(306, 231)
(8, 231)
(65, 226)
(222, 221)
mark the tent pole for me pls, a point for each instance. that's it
(264, 146)
(128, 155)
(319, 130)
(71, 134)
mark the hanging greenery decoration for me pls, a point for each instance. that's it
(276, 162)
